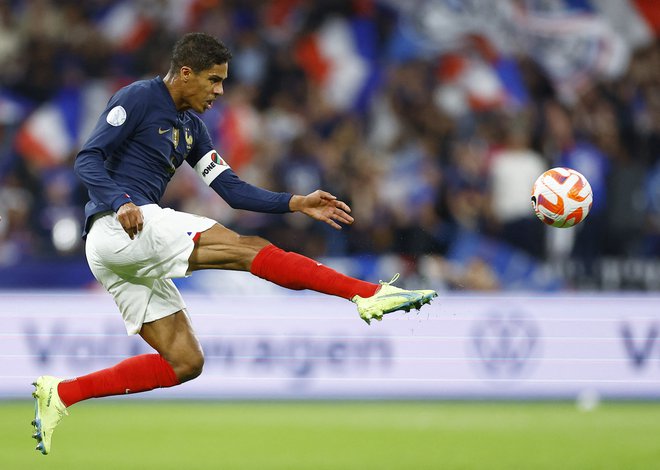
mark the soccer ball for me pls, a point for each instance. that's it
(561, 197)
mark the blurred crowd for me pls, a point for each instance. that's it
(424, 166)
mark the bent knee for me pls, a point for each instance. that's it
(190, 368)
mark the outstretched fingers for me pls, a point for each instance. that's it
(325, 207)
(338, 211)
(334, 216)
(340, 214)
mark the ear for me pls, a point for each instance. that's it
(185, 73)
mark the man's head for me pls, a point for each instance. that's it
(199, 51)
(198, 67)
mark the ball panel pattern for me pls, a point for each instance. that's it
(561, 197)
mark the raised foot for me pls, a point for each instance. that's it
(389, 299)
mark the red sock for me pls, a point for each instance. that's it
(133, 375)
(298, 272)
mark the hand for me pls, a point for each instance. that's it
(322, 206)
(130, 218)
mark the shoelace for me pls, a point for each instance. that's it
(392, 281)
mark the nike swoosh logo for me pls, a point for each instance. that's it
(406, 295)
(162, 131)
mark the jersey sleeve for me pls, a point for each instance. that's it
(124, 112)
(217, 174)
(242, 195)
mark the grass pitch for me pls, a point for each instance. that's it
(133, 434)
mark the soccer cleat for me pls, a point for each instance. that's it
(48, 411)
(389, 299)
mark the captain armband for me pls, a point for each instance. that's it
(210, 166)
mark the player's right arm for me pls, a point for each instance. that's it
(117, 122)
(124, 112)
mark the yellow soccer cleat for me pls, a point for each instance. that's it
(389, 299)
(48, 411)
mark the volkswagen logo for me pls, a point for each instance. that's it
(504, 344)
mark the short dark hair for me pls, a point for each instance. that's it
(199, 51)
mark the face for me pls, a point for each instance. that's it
(203, 88)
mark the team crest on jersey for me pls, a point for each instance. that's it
(189, 139)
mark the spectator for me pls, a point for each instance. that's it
(511, 170)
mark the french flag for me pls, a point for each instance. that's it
(480, 81)
(650, 12)
(126, 26)
(341, 58)
(637, 21)
(55, 130)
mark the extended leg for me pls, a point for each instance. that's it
(221, 248)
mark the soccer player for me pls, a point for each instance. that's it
(134, 247)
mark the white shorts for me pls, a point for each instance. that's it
(138, 273)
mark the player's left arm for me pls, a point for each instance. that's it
(319, 205)
(216, 173)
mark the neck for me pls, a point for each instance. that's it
(173, 84)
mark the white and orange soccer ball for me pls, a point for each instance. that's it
(561, 197)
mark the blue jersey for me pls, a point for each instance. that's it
(138, 143)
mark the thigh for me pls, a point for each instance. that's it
(222, 248)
